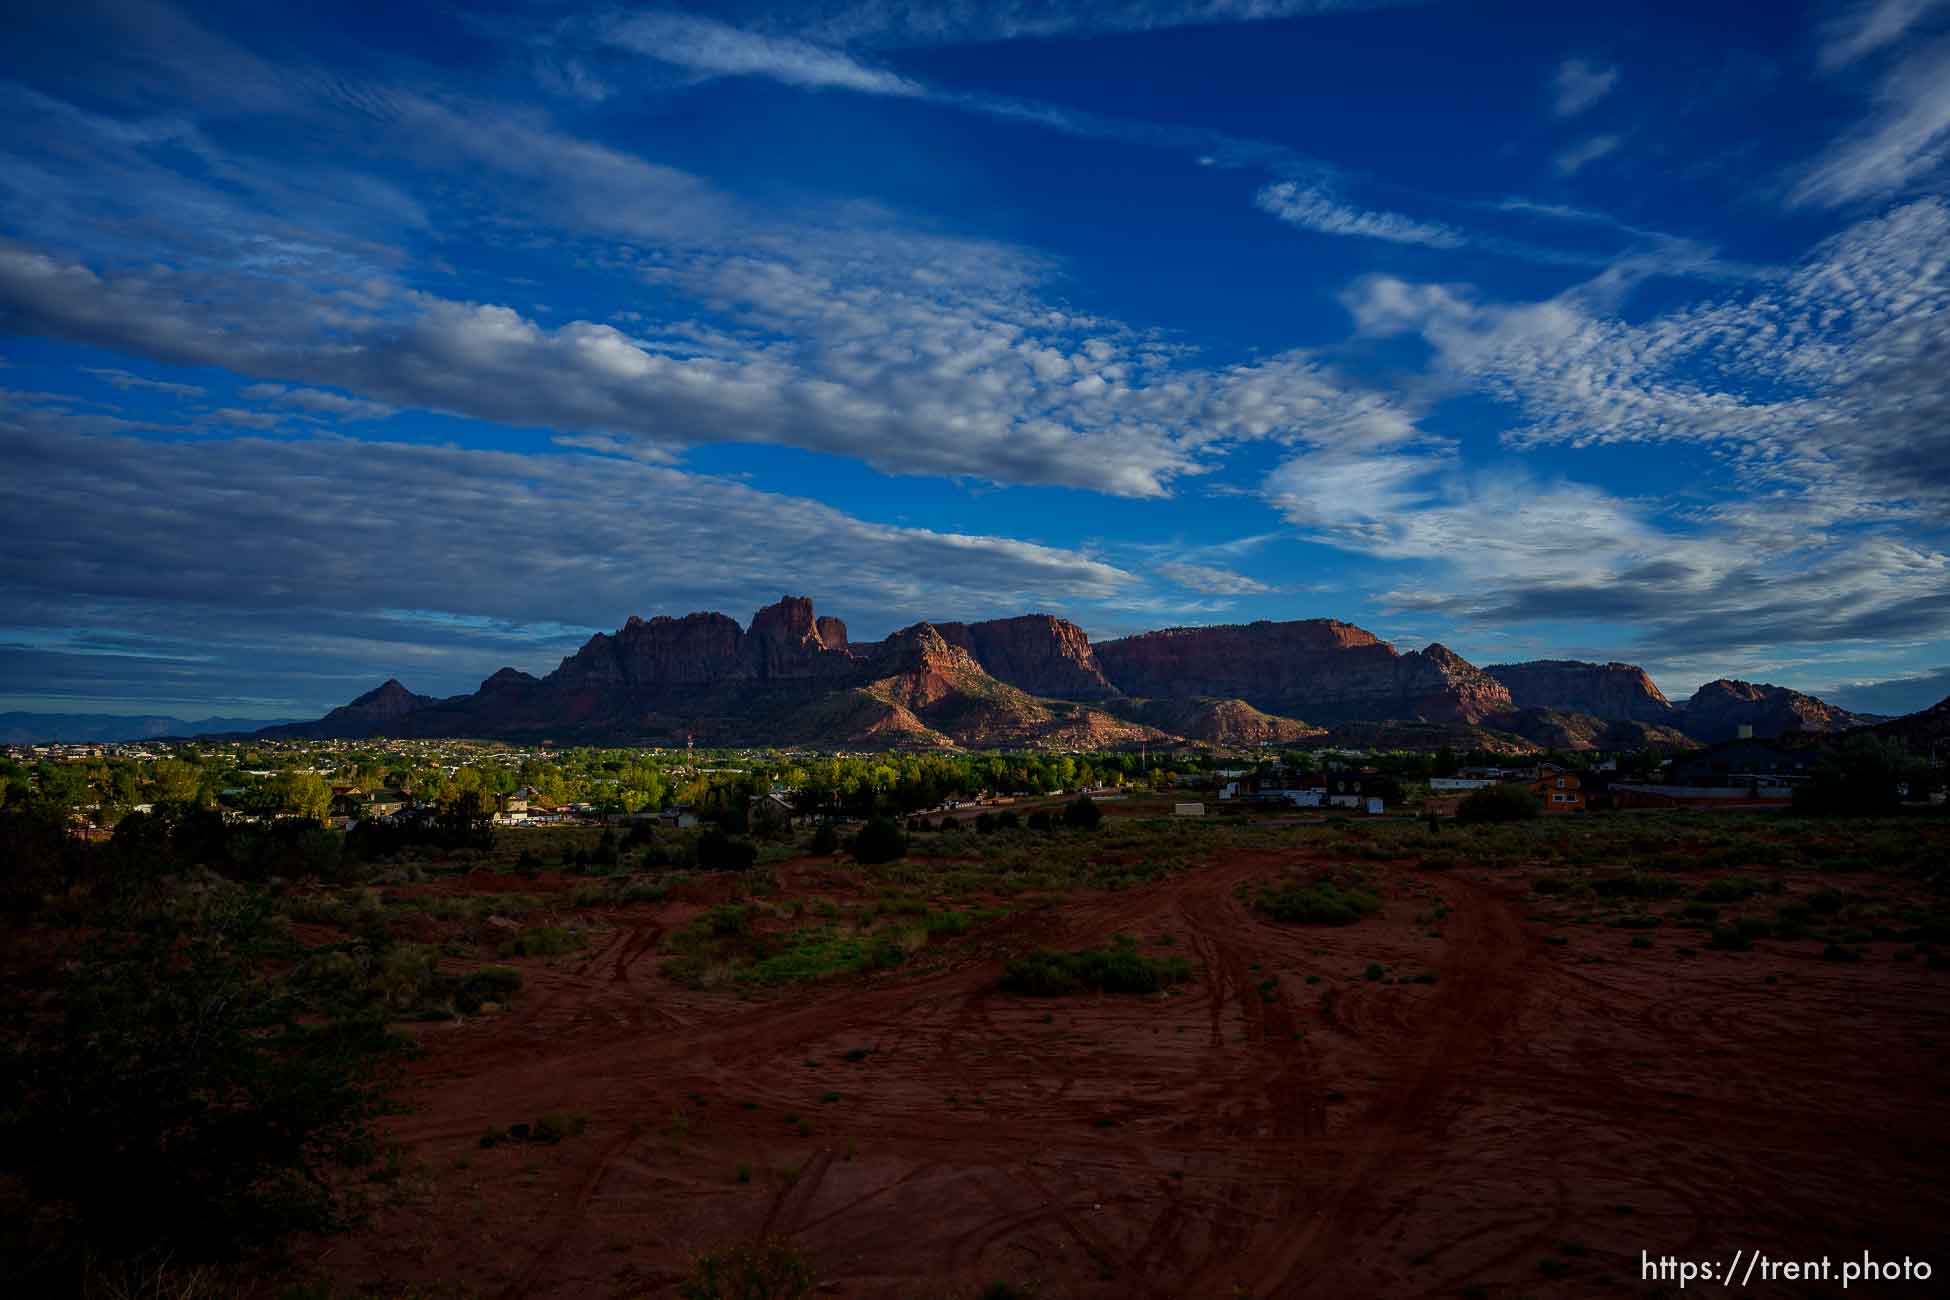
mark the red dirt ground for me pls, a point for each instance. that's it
(1527, 1124)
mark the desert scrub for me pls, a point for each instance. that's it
(770, 1268)
(1120, 968)
(543, 941)
(1321, 903)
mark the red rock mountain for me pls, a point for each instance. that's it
(1613, 692)
(793, 676)
(1036, 652)
(1320, 670)
(1720, 708)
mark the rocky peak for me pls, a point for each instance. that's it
(1038, 653)
(1615, 692)
(832, 632)
(508, 679)
(1720, 708)
(387, 700)
(696, 649)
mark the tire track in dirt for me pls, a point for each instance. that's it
(1480, 989)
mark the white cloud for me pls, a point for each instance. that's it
(1578, 84)
(714, 49)
(318, 402)
(1314, 209)
(1571, 161)
(1905, 140)
(325, 523)
(888, 23)
(1870, 27)
(1212, 580)
(123, 379)
(919, 355)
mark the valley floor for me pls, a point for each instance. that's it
(1292, 1121)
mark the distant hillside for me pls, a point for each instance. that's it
(101, 728)
(1922, 732)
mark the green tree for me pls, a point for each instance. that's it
(304, 794)
(171, 780)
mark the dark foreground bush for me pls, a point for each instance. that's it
(880, 840)
(1324, 903)
(1120, 968)
(717, 851)
(1498, 803)
(1083, 814)
(825, 839)
(177, 1100)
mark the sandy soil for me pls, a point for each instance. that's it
(1526, 1124)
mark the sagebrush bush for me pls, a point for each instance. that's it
(1120, 968)
(1321, 903)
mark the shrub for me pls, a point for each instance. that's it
(825, 839)
(1041, 822)
(1006, 820)
(177, 1102)
(1498, 803)
(1083, 814)
(1728, 938)
(488, 984)
(880, 840)
(770, 1268)
(556, 1125)
(1120, 968)
(542, 941)
(717, 851)
(1323, 903)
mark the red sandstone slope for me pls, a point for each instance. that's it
(1612, 692)
(1319, 669)
(1038, 653)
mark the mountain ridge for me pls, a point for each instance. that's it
(794, 676)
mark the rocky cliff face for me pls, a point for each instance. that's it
(1037, 653)
(1320, 670)
(1613, 692)
(1718, 710)
(784, 644)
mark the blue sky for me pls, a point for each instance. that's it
(347, 341)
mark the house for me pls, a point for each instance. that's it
(772, 810)
(679, 818)
(1559, 790)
